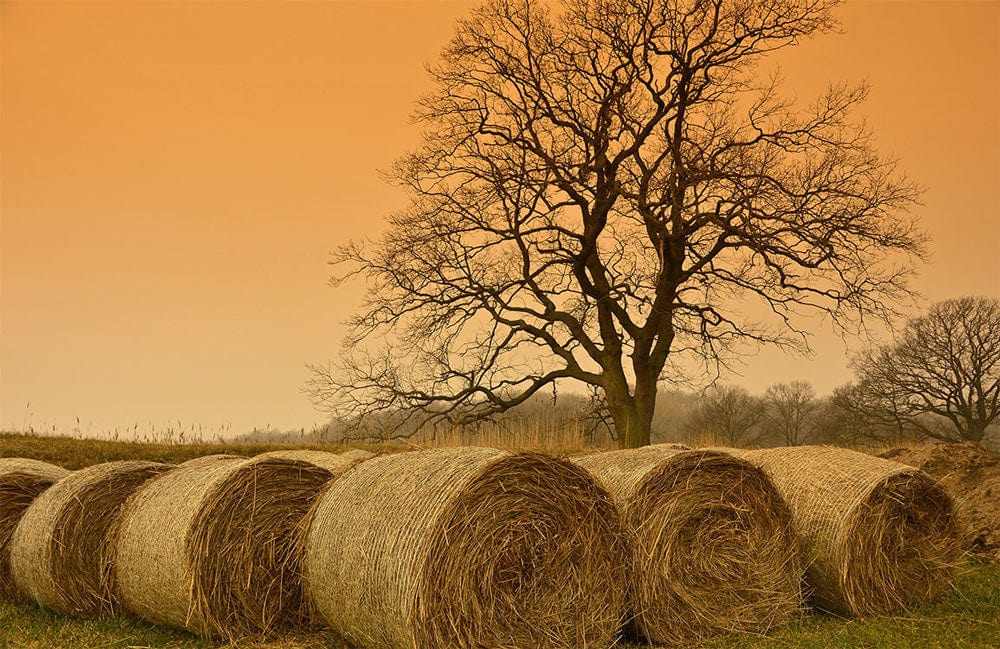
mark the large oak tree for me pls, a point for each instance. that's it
(605, 190)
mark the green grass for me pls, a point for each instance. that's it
(967, 617)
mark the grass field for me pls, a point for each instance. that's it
(76, 453)
(968, 616)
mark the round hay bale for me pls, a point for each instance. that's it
(336, 463)
(209, 459)
(332, 461)
(21, 481)
(467, 547)
(60, 555)
(712, 547)
(213, 546)
(877, 535)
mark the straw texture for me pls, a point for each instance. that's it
(21, 481)
(467, 548)
(214, 546)
(59, 553)
(877, 535)
(712, 548)
(209, 459)
(334, 462)
(247, 541)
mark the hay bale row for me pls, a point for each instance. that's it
(467, 547)
(21, 481)
(60, 552)
(473, 547)
(711, 543)
(212, 546)
(878, 536)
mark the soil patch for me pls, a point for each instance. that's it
(971, 474)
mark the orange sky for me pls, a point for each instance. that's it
(175, 173)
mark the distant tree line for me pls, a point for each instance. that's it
(939, 379)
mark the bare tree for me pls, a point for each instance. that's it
(791, 411)
(606, 193)
(729, 413)
(942, 374)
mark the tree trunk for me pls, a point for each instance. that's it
(975, 432)
(633, 417)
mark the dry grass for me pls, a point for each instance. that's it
(902, 545)
(467, 547)
(878, 535)
(542, 436)
(21, 481)
(59, 554)
(151, 557)
(712, 547)
(247, 539)
(213, 545)
(77, 453)
(208, 460)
